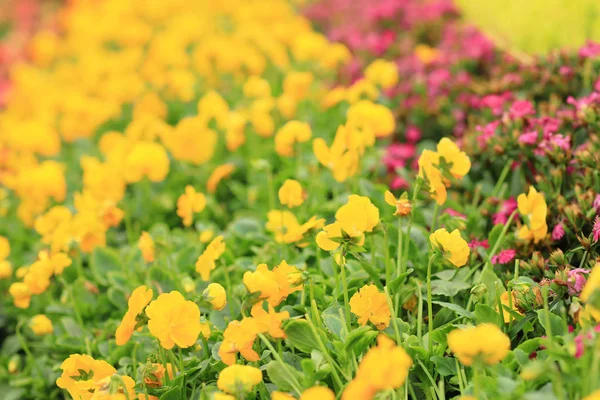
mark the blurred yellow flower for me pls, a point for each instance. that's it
(146, 245)
(190, 203)
(485, 342)
(382, 73)
(218, 174)
(239, 379)
(289, 135)
(41, 325)
(533, 206)
(291, 193)
(207, 260)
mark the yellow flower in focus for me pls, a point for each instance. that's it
(382, 73)
(369, 304)
(269, 322)
(459, 161)
(218, 174)
(239, 379)
(330, 237)
(291, 193)
(239, 337)
(358, 215)
(215, 294)
(455, 248)
(174, 320)
(292, 133)
(82, 375)
(297, 84)
(533, 206)
(146, 245)
(189, 203)
(276, 285)
(146, 159)
(138, 300)
(402, 204)
(318, 393)
(41, 325)
(485, 342)
(433, 176)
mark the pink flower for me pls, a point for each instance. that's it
(576, 280)
(455, 213)
(596, 203)
(591, 49)
(579, 347)
(397, 154)
(413, 134)
(487, 132)
(521, 109)
(596, 229)
(504, 257)
(474, 244)
(558, 232)
(398, 183)
(530, 137)
(506, 209)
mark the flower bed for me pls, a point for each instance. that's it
(216, 201)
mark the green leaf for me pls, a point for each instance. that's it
(445, 366)
(300, 335)
(456, 308)
(494, 235)
(557, 325)
(334, 323)
(397, 283)
(279, 376)
(102, 262)
(484, 314)
(71, 327)
(172, 394)
(448, 288)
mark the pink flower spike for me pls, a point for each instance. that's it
(558, 232)
(504, 257)
(596, 229)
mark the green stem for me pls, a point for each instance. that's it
(406, 245)
(420, 315)
(345, 291)
(330, 360)
(393, 315)
(388, 264)
(502, 178)
(293, 382)
(436, 210)
(399, 264)
(430, 304)
(26, 349)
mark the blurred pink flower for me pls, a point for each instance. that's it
(576, 280)
(596, 229)
(521, 109)
(474, 244)
(506, 209)
(504, 257)
(558, 232)
(530, 137)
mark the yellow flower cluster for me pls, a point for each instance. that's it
(36, 277)
(6, 269)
